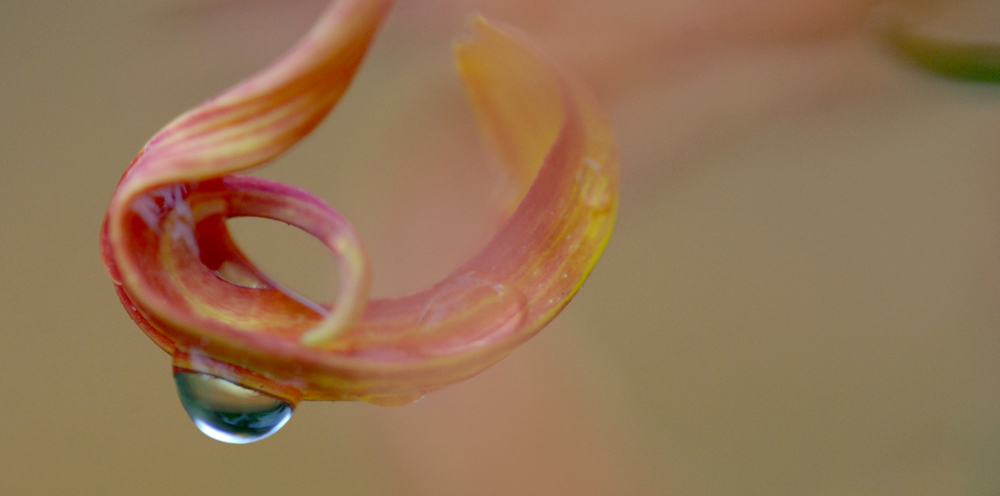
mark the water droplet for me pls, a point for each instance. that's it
(467, 312)
(595, 186)
(228, 412)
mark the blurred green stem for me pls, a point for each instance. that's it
(968, 61)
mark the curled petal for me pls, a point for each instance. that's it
(185, 282)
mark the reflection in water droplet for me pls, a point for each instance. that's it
(228, 412)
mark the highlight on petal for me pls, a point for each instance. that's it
(956, 59)
(517, 101)
(185, 282)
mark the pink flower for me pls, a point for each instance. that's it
(236, 333)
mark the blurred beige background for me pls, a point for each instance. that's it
(800, 297)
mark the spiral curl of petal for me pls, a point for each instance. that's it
(185, 282)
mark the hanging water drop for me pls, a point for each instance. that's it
(228, 412)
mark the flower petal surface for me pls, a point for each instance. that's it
(186, 283)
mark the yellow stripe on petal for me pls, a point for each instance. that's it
(516, 99)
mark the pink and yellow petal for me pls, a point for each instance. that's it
(187, 285)
(539, 258)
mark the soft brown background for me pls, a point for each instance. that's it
(800, 297)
